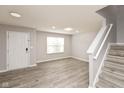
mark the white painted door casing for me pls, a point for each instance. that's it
(17, 56)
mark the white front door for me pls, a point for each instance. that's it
(18, 53)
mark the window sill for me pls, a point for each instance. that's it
(55, 53)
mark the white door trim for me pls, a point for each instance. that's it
(7, 49)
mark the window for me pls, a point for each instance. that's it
(55, 45)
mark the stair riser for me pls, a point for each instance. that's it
(116, 53)
(117, 48)
(107, 84)
(114, 59)
(115, 73)
(114, 66)
(113, 80)
(118, 76)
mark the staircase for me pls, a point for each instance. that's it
(112, 75)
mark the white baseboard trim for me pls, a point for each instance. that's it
(6, 70)
(63, 58)
(116, 43)
(85, 60)
(101, 65)
(2, 71)
(33, 65)
(53, 59)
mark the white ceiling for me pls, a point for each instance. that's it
(42, 17)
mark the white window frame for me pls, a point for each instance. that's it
(55, 51)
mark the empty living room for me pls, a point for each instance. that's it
(61, 46)
(45, 49)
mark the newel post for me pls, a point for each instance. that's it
(91, 70)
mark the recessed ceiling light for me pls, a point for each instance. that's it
(77, 31)
(53, 27)
(14, 14)
(68, 29)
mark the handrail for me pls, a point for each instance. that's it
(96, 40)
(97, 54)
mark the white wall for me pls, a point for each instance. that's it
(120, 24)
(81, 43)
(75, 45)
(42, 46)
(2, 49)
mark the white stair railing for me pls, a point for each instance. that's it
(97, 51)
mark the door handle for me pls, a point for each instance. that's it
(26, 49)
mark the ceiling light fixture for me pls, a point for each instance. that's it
(77, 31)
(53, 27)
(68, 29)
(14, 14)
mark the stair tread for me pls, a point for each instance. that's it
(116, 53)
(113, 80)
(112, 56)
(103, 83)
(117, 44)
(116, 75)
(114, 59)
(114, 71)
(117, 47)
(114, 65)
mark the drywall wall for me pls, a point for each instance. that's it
(3, 43)
(81, 43)
(42, 46)
(2, 49)
(120, 24)
(110, 14)
(114, 14)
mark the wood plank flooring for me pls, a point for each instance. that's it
(65, 73)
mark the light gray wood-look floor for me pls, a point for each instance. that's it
(65, 73)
